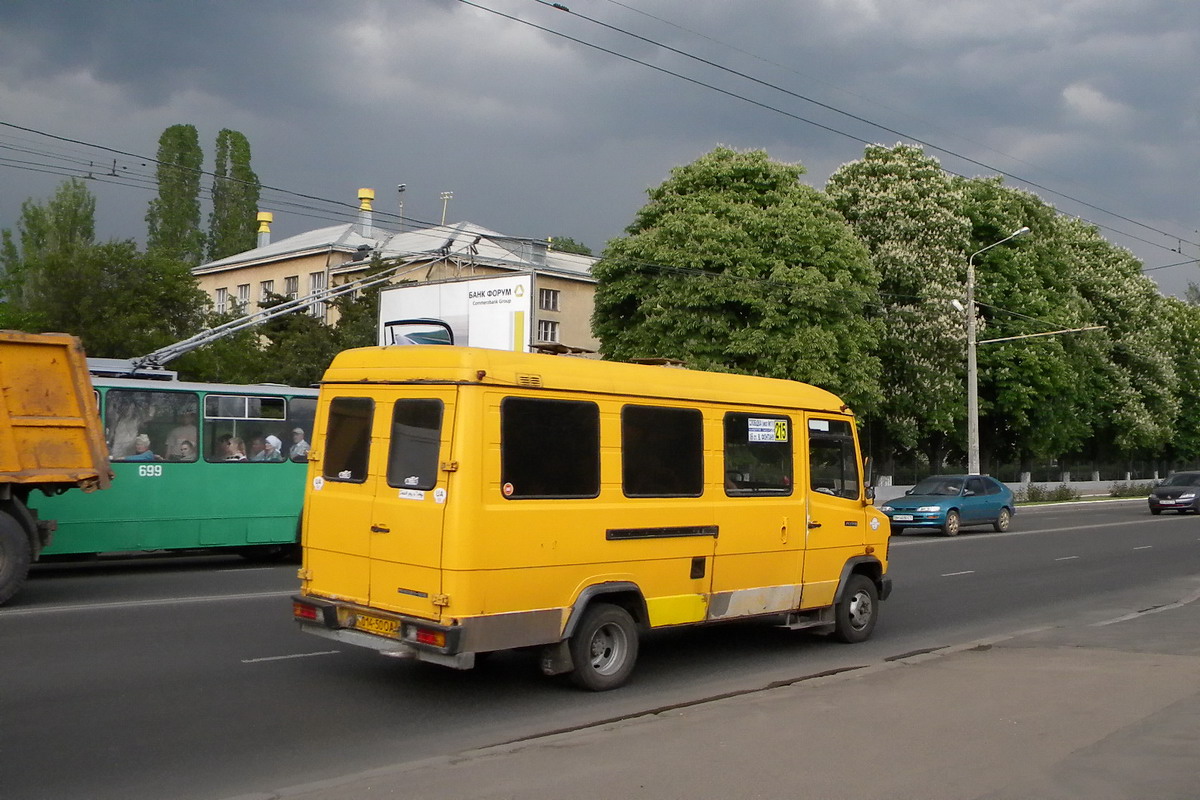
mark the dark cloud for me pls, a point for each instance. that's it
(538, 135)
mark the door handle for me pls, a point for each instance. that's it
(380, 529)
(812, 524)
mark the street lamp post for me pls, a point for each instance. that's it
(400, 191)
(972, 365)
(445, 200)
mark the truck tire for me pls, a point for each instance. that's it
(15, 556)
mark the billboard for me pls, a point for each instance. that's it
(492, 312)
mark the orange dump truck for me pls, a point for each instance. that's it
(51, 439)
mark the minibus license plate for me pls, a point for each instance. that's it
(903, 518)
(383, 627)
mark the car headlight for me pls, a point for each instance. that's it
(930, 508)
(1188, 496)
(886, 509)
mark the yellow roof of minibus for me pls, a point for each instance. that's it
(451, 364)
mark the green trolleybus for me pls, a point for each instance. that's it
(197, 466)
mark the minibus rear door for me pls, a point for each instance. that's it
(410, 503)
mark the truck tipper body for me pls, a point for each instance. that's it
(51, 440)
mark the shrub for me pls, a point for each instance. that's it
(1033, 493)
(1130, 489)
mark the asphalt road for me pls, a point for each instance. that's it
(185, 678)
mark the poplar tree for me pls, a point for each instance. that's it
(173, 219)
(235, 192)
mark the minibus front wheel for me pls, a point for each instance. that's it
(857, 612)
(603, 648)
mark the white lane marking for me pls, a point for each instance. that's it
(1144, 547)
(904, 541)
(293, 655)
(1066, 558)
(166, 601)
(952, 574)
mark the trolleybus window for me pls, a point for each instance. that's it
(758, 454)
(549, 448)
(833, 467)
(413, 452)
(662, 451)
(237, 428)
(348, 439)
(151, 425)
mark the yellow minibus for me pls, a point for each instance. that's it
(462, 501)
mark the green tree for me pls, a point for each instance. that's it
(235, 193)
(57, 229)
(173, 219)
(735, 265)
(911, 216)
(1031, 404)
(565, 244)
(119, 301)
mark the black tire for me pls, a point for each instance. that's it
(1156, 511)
(604, 648)
(270, 553)
(15, 556)
(1003, 519)
(897, 530)
(857, 612)
(952, 524)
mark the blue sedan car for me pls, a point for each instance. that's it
(951, 502)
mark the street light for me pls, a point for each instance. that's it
(972, 367)
(445, 199)
(400, 191)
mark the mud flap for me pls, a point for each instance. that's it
(556, 658)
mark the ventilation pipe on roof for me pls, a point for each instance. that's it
(365, 221)
(265, 218)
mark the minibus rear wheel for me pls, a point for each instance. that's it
(604, 647)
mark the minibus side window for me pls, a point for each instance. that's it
(833, 467)
(549, 448)
(413, 450)
(758, 454)
(348, 439)
(662, 451)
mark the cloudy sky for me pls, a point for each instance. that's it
(543, 122)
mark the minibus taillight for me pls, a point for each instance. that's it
(435, 638)
(304, 611)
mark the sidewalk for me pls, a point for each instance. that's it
(1101, 711)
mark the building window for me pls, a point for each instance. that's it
(547, 330)
(222, 300)
(243, 297)
(291, 287)
(265, 290)
(548, 299)
(316, 283)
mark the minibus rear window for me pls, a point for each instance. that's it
(549, 448)
(758, 454)
(348, 439)
(662, 451)
(413, 450)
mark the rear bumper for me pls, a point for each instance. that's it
(337, 621)
(411, 637)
